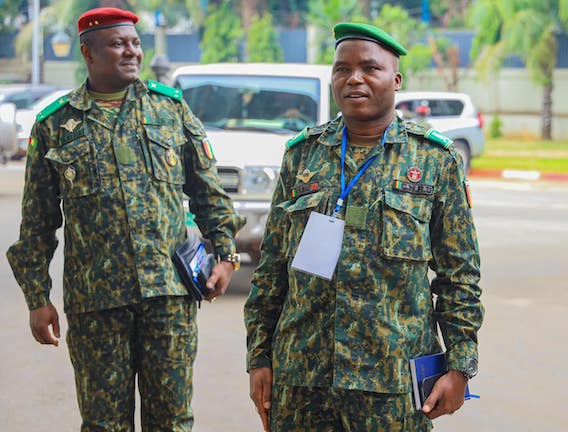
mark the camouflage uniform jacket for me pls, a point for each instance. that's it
(122, 192)
(358, 330)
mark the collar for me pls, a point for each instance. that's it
(332, 134)
(81, 100)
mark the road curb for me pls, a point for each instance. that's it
(517, 175)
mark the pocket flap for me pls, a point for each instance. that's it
(164, 136)
(69, 153)
(303, 202)
(419, 207)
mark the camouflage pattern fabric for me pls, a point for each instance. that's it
(156, 339)
(122, 191)
(317, 409)
(358, 330)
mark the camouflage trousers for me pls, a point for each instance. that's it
(155, 340)
(319, 409)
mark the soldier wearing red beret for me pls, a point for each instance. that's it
(119, 153)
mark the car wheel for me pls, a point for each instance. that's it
(462, 148)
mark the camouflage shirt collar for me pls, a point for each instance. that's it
(331, 136)
(80, 99)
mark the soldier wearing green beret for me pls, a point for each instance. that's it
(113, 160)
(365, 206)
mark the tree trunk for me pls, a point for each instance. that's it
(547, 111)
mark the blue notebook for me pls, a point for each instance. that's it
(424, 372)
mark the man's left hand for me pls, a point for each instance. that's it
(447, 395)
(219, 279)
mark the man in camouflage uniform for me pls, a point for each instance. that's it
(119, 154)
(333, 355)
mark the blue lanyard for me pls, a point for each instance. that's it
(345, 190)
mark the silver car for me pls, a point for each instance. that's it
(453, 114)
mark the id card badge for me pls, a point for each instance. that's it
(320, 246)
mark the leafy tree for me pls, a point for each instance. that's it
(450, 13)
(527, 29)
(410, 33)
(262, 41)
(325, 14)
(222, 35)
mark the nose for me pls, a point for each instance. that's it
(356, 77)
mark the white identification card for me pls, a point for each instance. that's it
(320, 246)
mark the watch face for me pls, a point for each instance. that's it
(471, 368)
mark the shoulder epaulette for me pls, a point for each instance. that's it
(52, 108)
(414, 128)
(435, 136)
(298, 138)
(158, 87)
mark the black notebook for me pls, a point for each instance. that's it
(194, 266)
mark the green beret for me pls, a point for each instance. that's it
(344, 31)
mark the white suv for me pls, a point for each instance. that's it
(453, 114)
(250, 111)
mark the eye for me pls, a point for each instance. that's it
(117, 44)
(136, 43)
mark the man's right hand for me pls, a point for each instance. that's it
(260, 392)
(40, 320)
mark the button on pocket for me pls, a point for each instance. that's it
(165, 147)
(76, 167)
(406, 231)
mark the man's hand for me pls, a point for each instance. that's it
(40, 320)
(219, 279)
(447, 395)
(260, 393)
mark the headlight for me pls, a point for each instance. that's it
(260, 179)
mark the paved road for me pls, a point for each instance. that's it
(523, 231)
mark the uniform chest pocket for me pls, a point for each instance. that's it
(406, 230)
(297, 212)
(165, 148)
(75, 164)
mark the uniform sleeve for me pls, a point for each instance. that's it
(212, 207)
(269, 283)
(456, 261)
(31, 255)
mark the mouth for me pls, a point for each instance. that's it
(356, 95)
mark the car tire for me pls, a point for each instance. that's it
(462, 148)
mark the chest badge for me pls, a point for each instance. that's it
(171, 157)
(306, 175)
(70, 124)
(70, 173)
(414, 174)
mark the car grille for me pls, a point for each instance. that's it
(230, 179)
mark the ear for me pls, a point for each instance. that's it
(397, 81)
(87, 54)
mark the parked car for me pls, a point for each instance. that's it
(453, 114)
(250, 111)
(8, 144)
(24, 95)
(25, 117)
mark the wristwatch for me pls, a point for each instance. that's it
(470, 369)
(233, 258)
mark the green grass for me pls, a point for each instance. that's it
(524, 154)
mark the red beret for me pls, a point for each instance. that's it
(100, 18)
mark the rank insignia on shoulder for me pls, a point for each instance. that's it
(298, 138)
(413, 188)
(158, 87)
(305, 189)
(52, 108)
(437, 137)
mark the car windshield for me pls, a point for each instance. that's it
(276, 104)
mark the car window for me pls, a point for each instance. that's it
(438, 107)
(280, 104)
